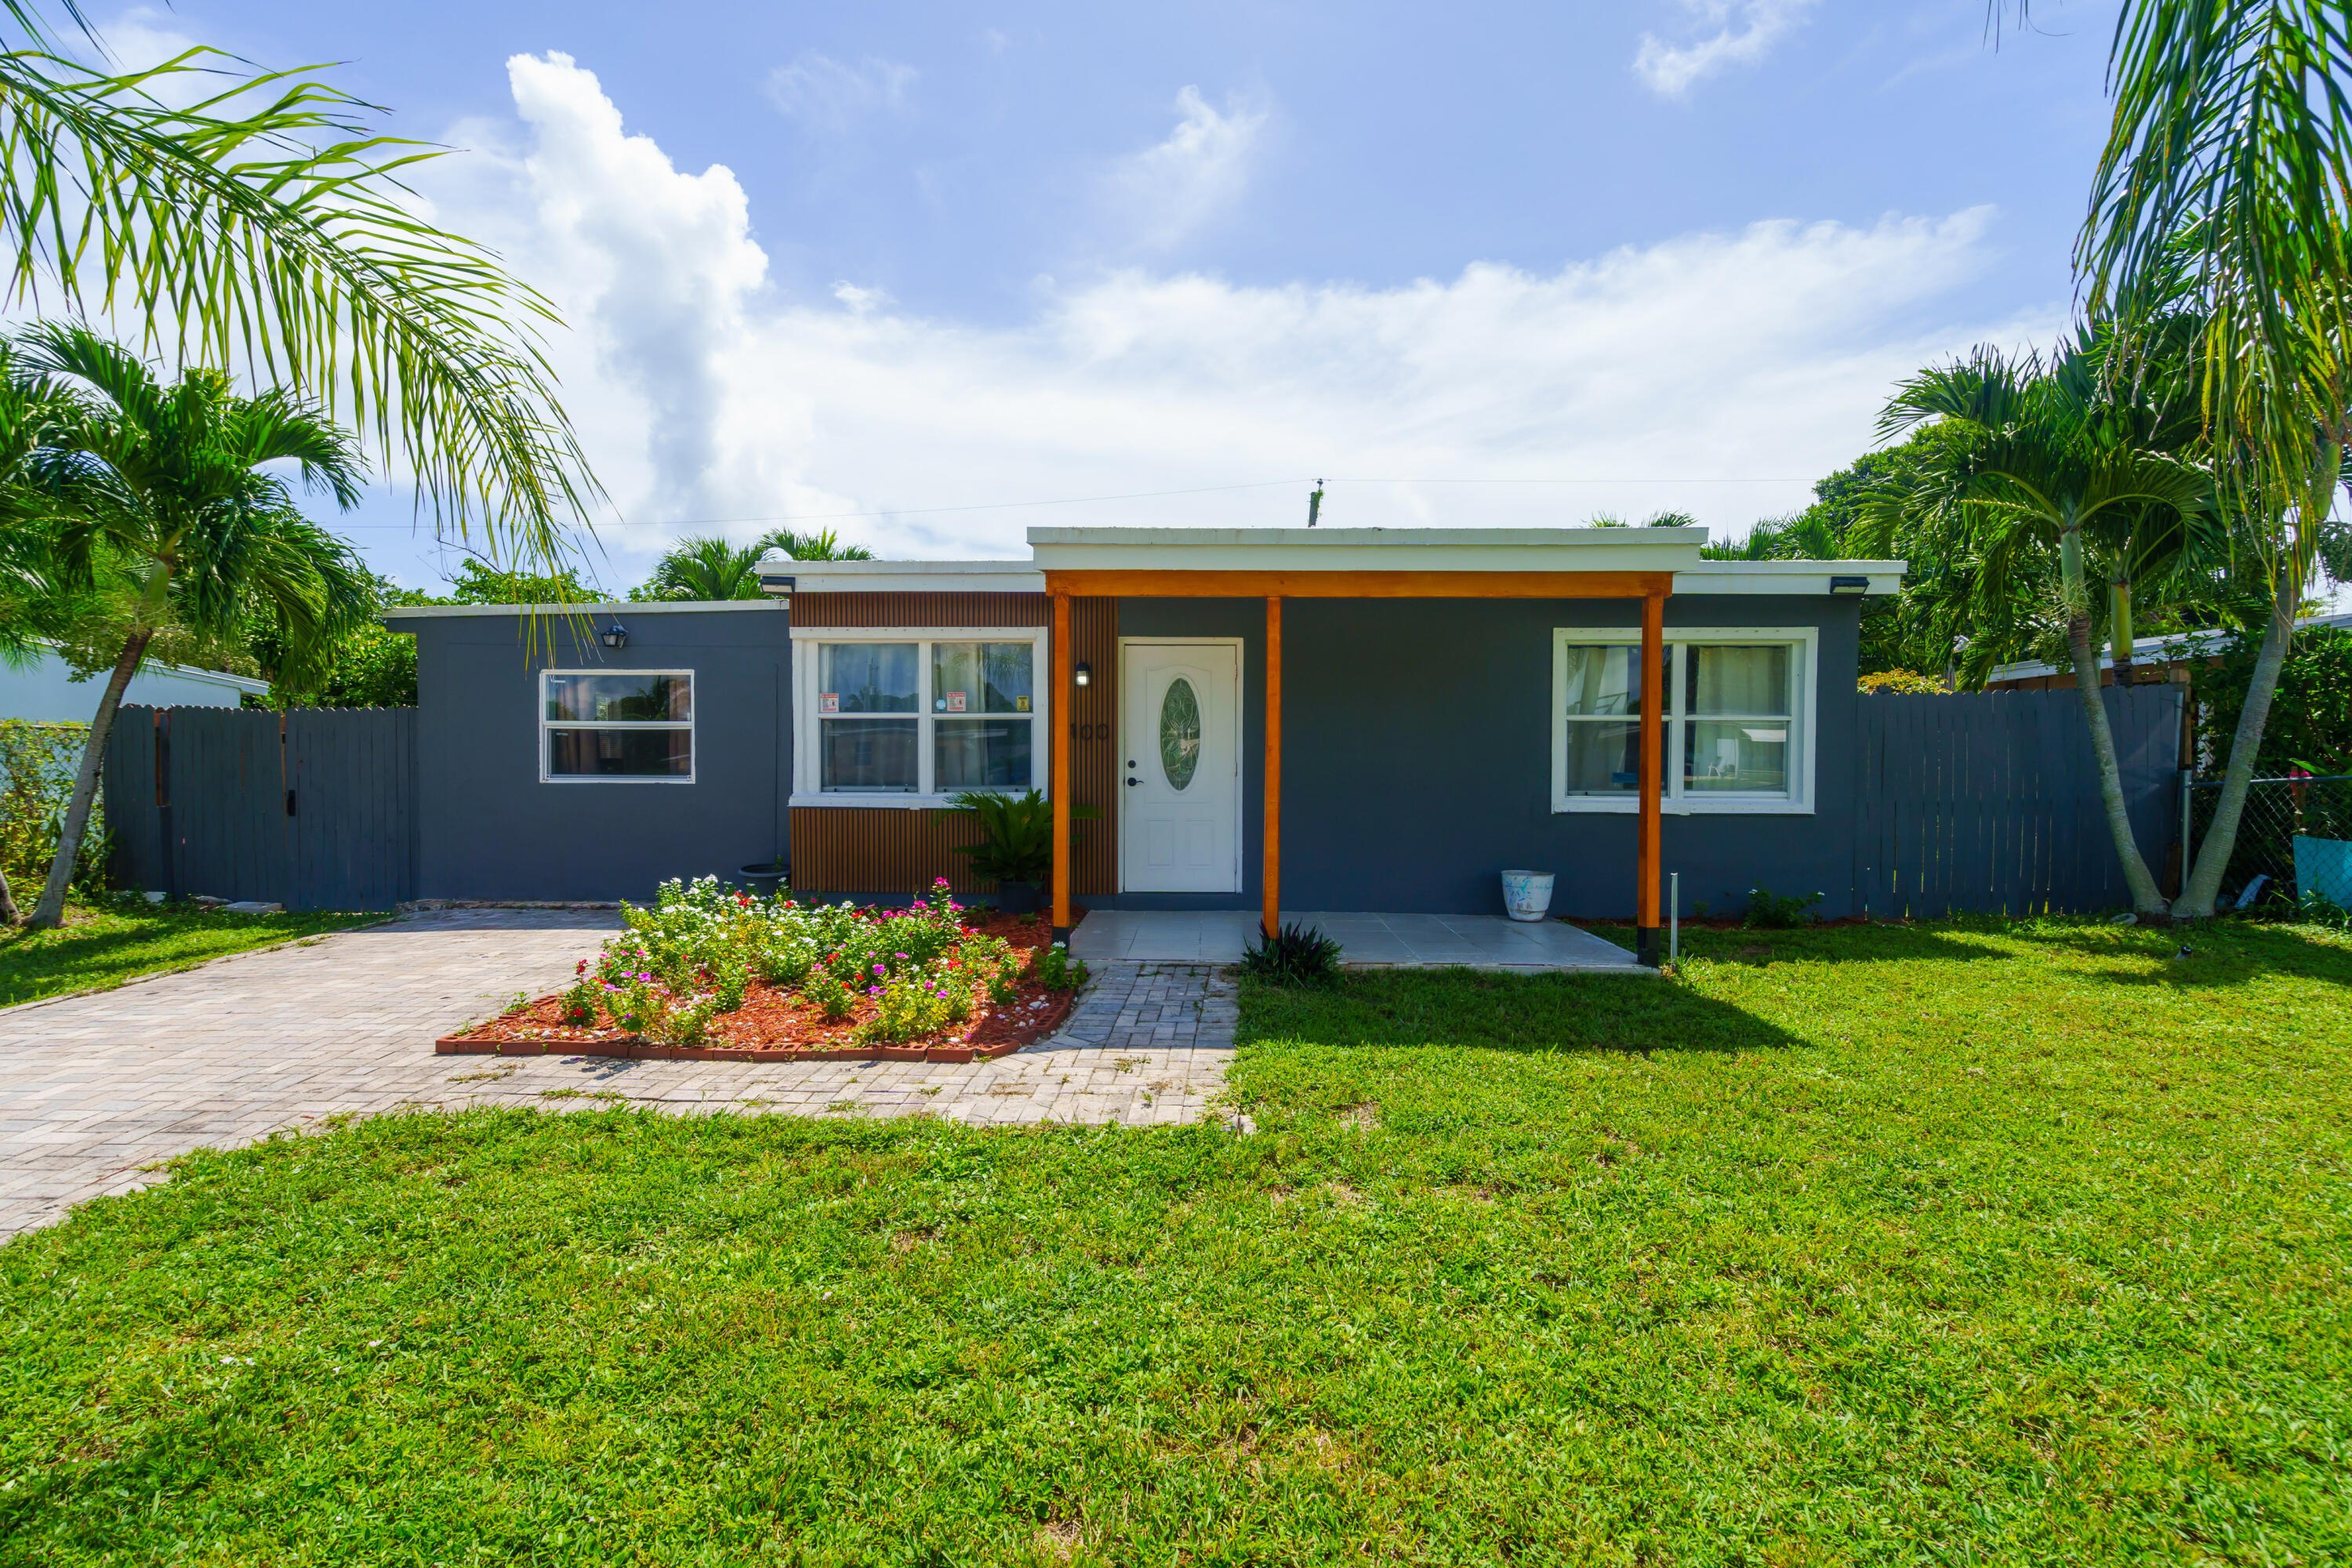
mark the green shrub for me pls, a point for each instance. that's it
(1055, 969)
(1770, 911)
(1294, 955)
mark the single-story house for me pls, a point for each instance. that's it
(1324, 719)
(43, 691)
(2166, 656)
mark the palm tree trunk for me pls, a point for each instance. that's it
(2146, 898)
(2120, 592)
(2204, 883)
(9, 913)
(50, 913)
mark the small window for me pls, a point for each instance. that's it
(1733, 733)
(925, 714)
(619, 726)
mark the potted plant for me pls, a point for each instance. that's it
(762, 878)
(1016, 847)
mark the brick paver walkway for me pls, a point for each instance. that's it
(94, 1088)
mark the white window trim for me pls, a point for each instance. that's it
(693, 742)
(1806, 678)
(807, 777)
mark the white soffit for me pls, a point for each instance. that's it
(1367, 549)
(1788, 576)
(908, 576)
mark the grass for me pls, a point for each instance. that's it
(104, 945)
(1944, 1245)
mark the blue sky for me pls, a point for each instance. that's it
(1475, 264)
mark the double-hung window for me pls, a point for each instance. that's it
(1735, 723)
(616, 726)
(908, 718)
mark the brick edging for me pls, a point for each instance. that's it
(637, 1048)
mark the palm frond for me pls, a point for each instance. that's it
(269, 225)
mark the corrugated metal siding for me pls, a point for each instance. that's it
(873, 849)
(922, 610)
(854, 850)
(1092, 729)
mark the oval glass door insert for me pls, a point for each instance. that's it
(1180, 733)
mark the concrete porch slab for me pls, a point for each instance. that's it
(1404, 942)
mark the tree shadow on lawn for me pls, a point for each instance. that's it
(101, 953)
(1484, 1010)
(2224, 952)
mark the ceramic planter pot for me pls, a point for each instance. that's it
(764, 877)
(1526, 895)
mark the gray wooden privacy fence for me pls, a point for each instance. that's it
(1991, 802)
(1980, 803)
(313, 808)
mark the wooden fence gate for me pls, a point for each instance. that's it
(313, 808)
(1991, 802)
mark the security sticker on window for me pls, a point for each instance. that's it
(1021, 705)
(828, 701)
(955, 701)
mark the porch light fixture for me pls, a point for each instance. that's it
(1849, 585)
(615, 636)
(1083, 675)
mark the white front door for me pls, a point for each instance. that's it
(1180, 819)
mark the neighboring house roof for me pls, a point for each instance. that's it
(46, 692)
(1675, 550)
(2155, 651)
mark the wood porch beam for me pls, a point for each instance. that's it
(1270, 878)
(1141, 583)
(1058, 724)
(1647, 847)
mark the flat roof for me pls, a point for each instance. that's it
(602, 607)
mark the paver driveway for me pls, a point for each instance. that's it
(94, 1088)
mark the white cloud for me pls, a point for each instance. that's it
(1758, 357)
(1745, 32)
(826, 95)
(1170, 189)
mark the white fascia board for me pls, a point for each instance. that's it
(908, 576)
(1368, 549)
(1788, 576)
(645, 607)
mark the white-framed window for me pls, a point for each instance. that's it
(1737, 725)
(616, 726)
(907, 717)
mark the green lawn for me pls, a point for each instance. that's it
(102, 946)
(1946, 1245)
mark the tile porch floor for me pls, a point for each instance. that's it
(1414, 941)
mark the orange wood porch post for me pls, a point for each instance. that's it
(1270, 879)
(1647, 851)
(1060, 722)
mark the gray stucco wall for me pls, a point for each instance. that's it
(1417, 757)
(490, 829)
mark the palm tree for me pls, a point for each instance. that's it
(705, 568)
(2226, 184)
(151, 498)
(2037, 483)
(266, 224)
(822, 545)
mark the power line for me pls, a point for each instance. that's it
(1132, 494)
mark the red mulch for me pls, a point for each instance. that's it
(774, 1024)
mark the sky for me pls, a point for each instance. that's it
(931, 274)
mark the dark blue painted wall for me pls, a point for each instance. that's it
(1417, 757)
(490, 829)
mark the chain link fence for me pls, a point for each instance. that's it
(2279, 812)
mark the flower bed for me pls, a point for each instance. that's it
(711, 974)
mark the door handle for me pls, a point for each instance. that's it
(1132, 783)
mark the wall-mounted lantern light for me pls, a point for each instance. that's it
(1083, 675)
(1849, 585)
(615, 636)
